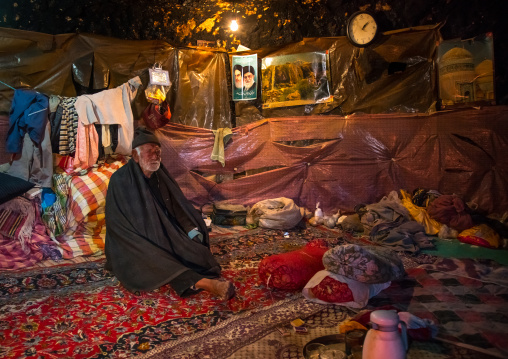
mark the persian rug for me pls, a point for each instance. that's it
(81, 311)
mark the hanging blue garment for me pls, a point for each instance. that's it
(29, 114)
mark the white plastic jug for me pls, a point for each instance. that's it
(384, 341)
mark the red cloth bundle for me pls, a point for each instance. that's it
(452, 211)
(333, 291)
(156, 116)
(292, 270)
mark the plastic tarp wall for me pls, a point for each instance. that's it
(202, 97)
(361, 159)
(397, 74)
(72, 64)
(51, 64)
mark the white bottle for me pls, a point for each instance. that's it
(384, 341)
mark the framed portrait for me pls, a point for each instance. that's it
(295, 79)
(466, 71)
(245, 74)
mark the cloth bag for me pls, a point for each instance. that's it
(228, 214)
(277, 213)
(156, 116)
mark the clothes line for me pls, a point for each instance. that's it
(33, 113)
(1, 82)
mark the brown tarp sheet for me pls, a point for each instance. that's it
(398, 74)
(361, 159)
(336, 160)
(200, 95)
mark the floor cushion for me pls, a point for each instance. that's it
(11, 187)
(292, 270)
(366, 264)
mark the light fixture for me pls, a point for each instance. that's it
(234, 23)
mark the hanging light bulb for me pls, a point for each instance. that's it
(234, 25)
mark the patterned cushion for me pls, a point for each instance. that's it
(366, 264)
(11, 187)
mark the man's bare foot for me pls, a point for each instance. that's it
(223, 289)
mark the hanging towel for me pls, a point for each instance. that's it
(222, 137)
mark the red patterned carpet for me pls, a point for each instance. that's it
(80, 310)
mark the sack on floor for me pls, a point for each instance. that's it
(277, 213)
(292, 270)
(366, 264)
(329, 288)
(227, 214)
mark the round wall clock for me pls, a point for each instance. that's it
(361, 28)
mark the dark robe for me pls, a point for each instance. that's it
(146, 246)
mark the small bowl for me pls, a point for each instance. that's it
(328, 352)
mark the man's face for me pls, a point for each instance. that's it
(248, 80)
(149, 158)
(238, 79)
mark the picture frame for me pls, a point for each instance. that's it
(244, 74)
(466, 72)
(295, 79)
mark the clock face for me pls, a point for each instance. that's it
(361, 28)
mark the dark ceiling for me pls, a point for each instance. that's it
(267, 23)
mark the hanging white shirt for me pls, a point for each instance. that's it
(112, 107)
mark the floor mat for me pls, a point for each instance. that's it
(81, 311)
(468, 311)
(454, 248)
(324, 323)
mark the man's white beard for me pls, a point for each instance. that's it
(238, 84)
(247, 87)
(150, 166)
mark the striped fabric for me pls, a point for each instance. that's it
(86, 229)
(55, 216)
(11, 223)
(68, 126)
(13, 255)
